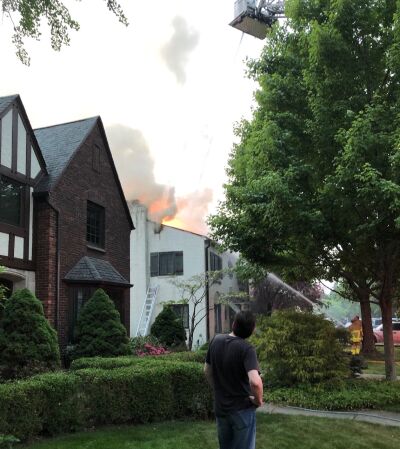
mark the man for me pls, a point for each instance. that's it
(356, 335)
(232, 370)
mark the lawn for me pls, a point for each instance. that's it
(274, 432)
(376, 365)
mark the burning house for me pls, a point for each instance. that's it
(161, 253)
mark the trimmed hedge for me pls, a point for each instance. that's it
(353, 394)
(122, 362)
(63, 402)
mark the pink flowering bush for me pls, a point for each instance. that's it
(149, 349)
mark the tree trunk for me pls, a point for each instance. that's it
(390, 364)
(368, 344)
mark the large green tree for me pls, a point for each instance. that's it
(313, 186)
(27, 17)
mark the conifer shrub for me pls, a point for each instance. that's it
(28, 344)
(168, 328)
(297, 348)
(99, 331)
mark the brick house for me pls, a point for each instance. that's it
(64, 222)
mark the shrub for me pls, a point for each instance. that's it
(66, 401)
(28, 344)
(299, 348)
(149, 350)
(137, 343)
(168, 328)
(123, 362)
(354, 394)
(99, 331)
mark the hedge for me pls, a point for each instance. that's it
(62, 402)
(353, 394)
(121, 362)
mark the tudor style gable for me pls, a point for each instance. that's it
(21, 166)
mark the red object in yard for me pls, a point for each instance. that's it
(378, 333)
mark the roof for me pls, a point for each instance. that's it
(58, 144)
(6, 101)
(90, 269)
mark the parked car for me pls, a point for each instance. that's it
(378, 333)
(376, 322)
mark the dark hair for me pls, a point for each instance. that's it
(244, 324)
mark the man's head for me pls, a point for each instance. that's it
(356, 318)
(244, 324)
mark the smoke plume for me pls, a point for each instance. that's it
(176, 51)
(135, 167)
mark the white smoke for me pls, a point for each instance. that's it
(177, 50)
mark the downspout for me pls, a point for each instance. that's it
(207, 286)
(57, 311)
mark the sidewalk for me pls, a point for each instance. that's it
(372, 416)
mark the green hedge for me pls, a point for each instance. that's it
(123, 362)
(350, 395)
(64, 402)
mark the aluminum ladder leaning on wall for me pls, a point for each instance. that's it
(147, 311)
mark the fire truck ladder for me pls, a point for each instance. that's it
(255, 17)
(147, 311)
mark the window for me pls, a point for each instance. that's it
(215, 262)
(95, 225)
(11, 201)
(166, 264)
(79, 296)
(218, 318)
(182, 312)
(396, 326)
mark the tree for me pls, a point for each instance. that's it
(28, 344)
(314, 181)
(99, 331)
(27, 17)
(299, 348)
(193, 292)
(168, 328)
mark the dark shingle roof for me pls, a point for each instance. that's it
(6, 101)
(58, 144)
(95, 270)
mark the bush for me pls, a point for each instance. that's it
(63, 402)
(299, 348)
(355, 394)
(99, 331)
(123, 362)
(137, 343)
(168, 328)
(28, 344)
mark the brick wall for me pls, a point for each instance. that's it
(45, 249)
(79, 183)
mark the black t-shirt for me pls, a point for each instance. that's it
(231, 358)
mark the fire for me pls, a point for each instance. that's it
(175, 222)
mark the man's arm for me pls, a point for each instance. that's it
(256, 386)
(208, 374)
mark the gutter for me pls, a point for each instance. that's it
(207, 286)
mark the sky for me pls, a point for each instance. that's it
(169, 89)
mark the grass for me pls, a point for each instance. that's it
(376, 364)
(273, 432)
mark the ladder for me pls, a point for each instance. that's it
(147, 311)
